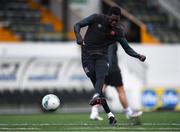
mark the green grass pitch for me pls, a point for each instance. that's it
(154, 121)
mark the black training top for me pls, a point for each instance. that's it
(100, 35)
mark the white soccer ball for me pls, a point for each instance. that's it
(50, 102)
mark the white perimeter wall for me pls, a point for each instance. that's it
(161, 69)
(163, 65)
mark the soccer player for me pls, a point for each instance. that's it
(114, 79)
(102, 31)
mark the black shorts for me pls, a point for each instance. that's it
(114, 78)
(95, 66)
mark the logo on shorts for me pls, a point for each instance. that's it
(86, 69)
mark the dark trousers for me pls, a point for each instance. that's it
(96, 68)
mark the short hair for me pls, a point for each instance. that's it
(114, 10)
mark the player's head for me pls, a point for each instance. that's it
(114, 11)
(114, 14)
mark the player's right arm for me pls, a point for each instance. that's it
(83, 23)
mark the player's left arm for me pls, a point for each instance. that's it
(83, 23)
(129, 50)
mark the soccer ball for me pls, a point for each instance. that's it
(50, 102)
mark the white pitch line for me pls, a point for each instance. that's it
(84, 124)
(121, 128)
(161, 124)
(19, 128)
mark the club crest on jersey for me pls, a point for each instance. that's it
(113, 33)
(99, 25)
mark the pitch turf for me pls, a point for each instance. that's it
(155, 121)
